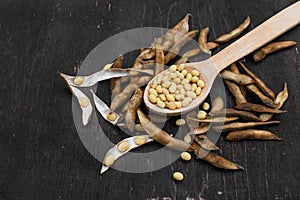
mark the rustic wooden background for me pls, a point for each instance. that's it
(41, 155)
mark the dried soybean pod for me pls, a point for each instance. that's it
(215, 159)
(259, 83)
(230, 112)
(205, 143)
(174, 51)
(134, 103)
(266, 100)
(127, 92)
(271, 48)
(215, 119)
(234, 68)
(236, 92)
(148, 56)
(114, 152)
(161, 136)
(234, 33)
(238, 78)
(251, 134)
(280, 99)
(257, 108)
(217, 104)
(242, 125)
(202, 40)
(115, 83)
(159, 59)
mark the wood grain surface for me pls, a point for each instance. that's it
(41, 155)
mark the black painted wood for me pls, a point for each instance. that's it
(41, 155)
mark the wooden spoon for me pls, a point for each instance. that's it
(209, 68)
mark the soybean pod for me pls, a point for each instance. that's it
(251, 134)
(271, 48)
(242, 125)
(259, 83)
(234, 33)
(161, 136)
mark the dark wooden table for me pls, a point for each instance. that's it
(41, 155)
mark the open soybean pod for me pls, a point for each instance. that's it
(234, 33)
(122, 148)
(266, 100)
(259, 83)
(251, 134)
(215, 159)
(84, 103)
(280, 99)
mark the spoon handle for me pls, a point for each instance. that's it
(264, 33)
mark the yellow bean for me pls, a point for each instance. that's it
(195, 72)
(123, 146)
(153, 91)
(152, 98)
(178, 104)
(200, 83)
(178, 176)
(205, 106)
(161, 104)
(180, 122)
(162, 97)
(186, 156)
(191, 94)
(201, 114)
(140, 140)
(158, 89)
(195, 79)
(170, 98)
(198, 91)
(111, 116)
(184, 72)
(78, 80)
(166, 84)
(165, 91)
(194, 87)
(172, 89)
(109, 160)
(189, 77)
(172, 105)
(173, 68)
(84, 102)
(180, 67)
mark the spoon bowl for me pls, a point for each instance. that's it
(209, 68)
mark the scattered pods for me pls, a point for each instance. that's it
(251, 134)
(271, 48)
(242, 125)
(234, 33)
(257, 108)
